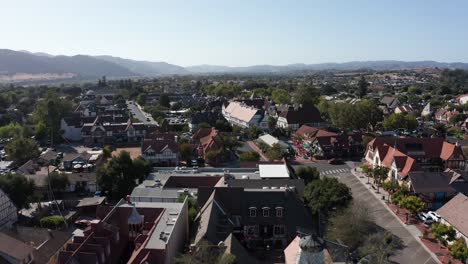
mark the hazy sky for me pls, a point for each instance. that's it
(239, 33)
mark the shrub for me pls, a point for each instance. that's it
(54, 221)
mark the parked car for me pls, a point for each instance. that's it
(425, 218)
(435, 216)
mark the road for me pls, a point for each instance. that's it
(139, 114)
(414, 252)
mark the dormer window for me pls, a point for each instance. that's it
(279, 211)
(266, 211)
(253, 212)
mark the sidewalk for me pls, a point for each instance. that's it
(384, 198)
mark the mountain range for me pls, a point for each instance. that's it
(14, 62)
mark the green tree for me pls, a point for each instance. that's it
(141, 99)
(119, 175)
(457, 118)
(443, 233)
(308, 174)
(322, 195)
(396, 121)
(20, 150)
(53, 221)
(413, 204)
(18, 188)
(272, 123)
(380, 246)
(380, 173)
(186, 152)
(275, 152)
(280, 96)
(249, 156)
(459, 250)
(306, 94)
(164, 100)
(58, 181)
(13, 130)
(362, 86)
(254, 132)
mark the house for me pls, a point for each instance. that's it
(295, 116)
(206, 140)
(198, 118)
(462, 99)
(258, 217)
(161, 149)
(8, 215)
(271, 140)
(14, 251)
(82, 182)
(427, 110)
(443, 115)
(243, 115)
(453, 213)
(71, 159)
(332, 146)
(313, 249)
(404, 155)
(389, 103)
(435, 188)
(153, 233)
(113, 130)
(404, 109)
(71, 126)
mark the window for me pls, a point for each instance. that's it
(279, 211)
(253, 212)
(278, 230)
(266, 211)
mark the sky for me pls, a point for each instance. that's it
(242, 32)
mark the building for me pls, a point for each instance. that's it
(206, 140)
(404, 155)
(389, 103)
(305, 249)
(427, 110)
(334, 146)
(161, 149)
(436, 188)
(295, 116)
(462, 99)
(71, 126)
(443, 115)
(154, 232)
(454, 214)
(271, 140)
(114, 130)
(257, 217)
(274, 171)
(243, 115)
(13, 251)
(8, 212)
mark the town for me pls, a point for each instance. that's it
(317, 167)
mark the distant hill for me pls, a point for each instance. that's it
(347, 66)
(146, 68)
(22, 62)
(17, 62)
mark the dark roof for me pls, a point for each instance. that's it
(431, 182)
(260, 183)
(454, 212)
(191, 181)
(159, 145)
(14, 248)
(302, 115)
(73, 119)
(73, 156)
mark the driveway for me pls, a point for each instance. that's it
(414, 252)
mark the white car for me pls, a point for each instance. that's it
(425, 218)
(435, 216)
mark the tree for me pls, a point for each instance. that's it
(53, 221)
(119, 175)
(275, 152)
(213, 157)
(254, 132)
(413, 204)
(141, 99)
(280, 96)
(396, 121)
(362, 86)
(249, 156)
(350, 226)
(380, 173)
(328, 89)
(58, 181)
(271, 123)
(325, 194)
(20, 150)
(380, 246)
(164, 100)
(459, 250)
(186, 152)
(443, 233)
(367, 170)
(457, 118)
(308, 174)
(440, 128)
(18, 188)
(414, 90)
(306, 94)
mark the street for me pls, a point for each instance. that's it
(414, 252)
(139, 114)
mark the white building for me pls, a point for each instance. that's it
(242, 115)
(8, 212)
